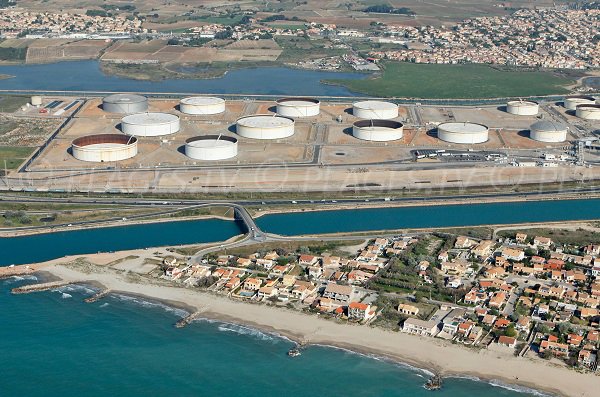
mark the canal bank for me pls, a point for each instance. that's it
(171, 233)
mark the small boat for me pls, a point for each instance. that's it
(434, 383)
(294, 352)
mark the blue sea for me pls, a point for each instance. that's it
(54, 344)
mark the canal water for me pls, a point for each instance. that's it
(87, 76)
(41, 247)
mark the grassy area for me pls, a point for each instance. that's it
(14, 156)
(409, 80)
(12, 103)
(314, 247)
(297, 49)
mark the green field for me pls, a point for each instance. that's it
(14, 156)
(410, 80)
(12, 103)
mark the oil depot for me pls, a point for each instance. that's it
(150, 124)
(125, 103)
(211, 147)
(298, 107)
(571, 102)
(104, 147)
(265, 126)
(548, 131)
(523, 108)
(466, 133)
(378, 130)
(202, 105)
(588, 112)
(375, 110)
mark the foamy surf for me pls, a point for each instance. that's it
(66, 296)
(241, 330)
(151, 304)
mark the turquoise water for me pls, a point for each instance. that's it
(430, 216)
(43, 247)
(37, 248)
(53, 344)
(87, 76)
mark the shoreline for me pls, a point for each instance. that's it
(442, 357)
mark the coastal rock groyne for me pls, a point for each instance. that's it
(39, 287)
(187, 320)
(97, 296)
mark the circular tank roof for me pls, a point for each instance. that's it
(202, 100)
(522, 103)
(375, 105)
(265, 121)
(376, 124)
(464, 128)
(150, 118)
(545, 125)
(104, 139)
(125, 98)
(298, 101)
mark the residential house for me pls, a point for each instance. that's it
(464, 242)
(408, 309)
(308, 260)
(361, 311)
(267, 292)
(420, 327)
(555, 347)
(514, 254)
(337, 292)
(252, 284)
(521, 238)
(483, 249)
(507, 341)
(544, 242)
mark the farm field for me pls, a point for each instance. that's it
(409, 80)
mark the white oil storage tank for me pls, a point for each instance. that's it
(523, 108)
(200, 105)
(298, 107)
(211, 147)
(150, 124)
(548, 131)
(588, 112)
(375, 110)
(378, 130)
(265, 126)
(104, 147)
(571, 102)
(457, 132)
(36, 100)
(125, 103)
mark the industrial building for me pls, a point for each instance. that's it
(36, 100)
(467, 133)
(104, 147)
(378, 130)
(265, 126)
(211, 147)
(298, 107)
(571, 102)
(202, 105)
(588, 112)
(523, 108)
(125, 103)
(548, 131)
(375, 110)
(150, 124)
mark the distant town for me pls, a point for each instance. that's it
(541, 38)
(519, 293)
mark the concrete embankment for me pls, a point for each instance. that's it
(39, 287)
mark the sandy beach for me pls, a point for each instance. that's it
(427, 353)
